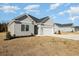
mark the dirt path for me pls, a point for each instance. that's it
(69, 36)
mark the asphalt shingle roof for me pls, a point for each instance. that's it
(24, 16)
(64, 25)
(21, 17)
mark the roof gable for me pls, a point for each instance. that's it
(43, 20)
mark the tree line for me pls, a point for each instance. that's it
(3, 27)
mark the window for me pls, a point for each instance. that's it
(27, 27)
(22, 27)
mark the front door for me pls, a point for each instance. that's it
(35, 29)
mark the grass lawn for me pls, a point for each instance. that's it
(38, 46)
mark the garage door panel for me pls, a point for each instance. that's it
(47, 31)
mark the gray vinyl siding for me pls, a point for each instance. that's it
(63, 29)
(11, 29)
(18, 31)
(76, 29)
(49, 22)
(48, 25)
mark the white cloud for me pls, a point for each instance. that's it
(32, 8)
(61, 13)
(74, 17)
(9, 8)
(54, 6)
(72, 11)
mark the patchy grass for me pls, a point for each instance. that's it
(38, 46)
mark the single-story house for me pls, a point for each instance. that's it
(26, 24)
(63, 27)
(76, 28)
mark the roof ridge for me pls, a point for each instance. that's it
(34, 18)
(44, 19)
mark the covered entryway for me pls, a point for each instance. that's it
(35, 29)
(47, 31)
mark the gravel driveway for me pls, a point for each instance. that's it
(69, 36)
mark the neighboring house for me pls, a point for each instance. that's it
(26, 24)
(63, 27)
(76, 28)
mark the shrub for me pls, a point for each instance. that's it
(59, 32)
(55, 33)
(14, 36)
(72, 31)
(32, 34)
(8, 36)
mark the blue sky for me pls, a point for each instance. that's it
(59, 12)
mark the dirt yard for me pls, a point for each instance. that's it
(38, 46)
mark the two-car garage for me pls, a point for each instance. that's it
(47, 31)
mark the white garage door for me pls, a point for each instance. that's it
(47, 31)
